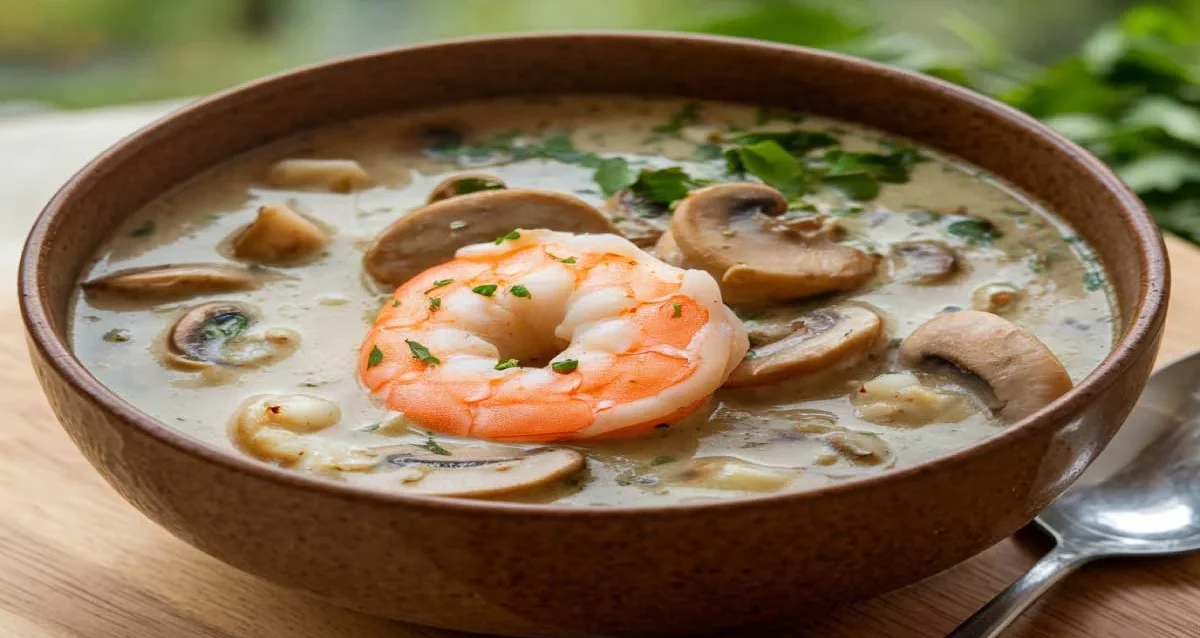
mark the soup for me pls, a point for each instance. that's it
(878, 304)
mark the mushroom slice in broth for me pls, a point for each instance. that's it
(1022, 372)
(739, 233)
(219, 333)
(639, 221)
(460, 470)
(925, 262)
(430, 235)
(173, 282)
(334, 175)
(278, 235)
(464, 184)
(818, 340)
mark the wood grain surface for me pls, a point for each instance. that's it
(78, 562)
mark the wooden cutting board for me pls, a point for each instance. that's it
(76, 561)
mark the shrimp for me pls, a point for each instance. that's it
(545, 336)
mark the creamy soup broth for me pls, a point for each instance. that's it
(1014, 258)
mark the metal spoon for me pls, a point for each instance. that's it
(1140, 498)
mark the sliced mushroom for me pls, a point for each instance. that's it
(278, 235)
(859, 447)
(455, 470)
(334, 175)
(218, 333)
(1022, 372)
(429, 235)
(464, 185)
(639, 221)
(177, 281)
(821, 339)
(925, 262)
(995, 298)
(739, 233)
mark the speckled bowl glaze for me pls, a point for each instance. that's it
(536, 570)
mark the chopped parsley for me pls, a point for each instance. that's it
(225, 326)
(613, 174)
(376, 357)
(797, 142)
(975, 231)
(487, 290)
(1093, 280)
(465, 185)
(116, 335)
(520, 291)
(145, 230)
(513, 235)
(432, 445)
(687, 115)
(504, 365)
(750, 354)
(676, 310)
(438, 284)
(568, 260)
(419, 352)
(565, 366)
(435, 303)
(661, 188)
(662, 460)
(769, 162)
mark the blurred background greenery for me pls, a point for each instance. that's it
(1119, 76)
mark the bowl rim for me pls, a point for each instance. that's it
(1143, 324)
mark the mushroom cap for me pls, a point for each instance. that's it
(473, 471)
(278, 235)
(736, 232)
(1022, 372)
(204, 334)
(464, 184)
(828, 336)
(424, 237)
(925, 262)
(177, 281)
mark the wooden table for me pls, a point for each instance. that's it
(77, 561)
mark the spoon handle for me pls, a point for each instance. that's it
(995, 616)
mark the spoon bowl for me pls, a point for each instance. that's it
(1140, 498)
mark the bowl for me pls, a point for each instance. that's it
(538, 570)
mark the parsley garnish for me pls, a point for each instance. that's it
(375, 358)
(565, 366)
(768, 161)
(1093, 280)
(487, 290)
(438, 284)
(513, 235)
(676, 310)
(465, 185)
(520, 291)
(976, 231)
(419, 352)
(687, 115)
(504, 365)
(568, 260)
(433, 446)
(435, 303)
(663, 187)
(613, 174)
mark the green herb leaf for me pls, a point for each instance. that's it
(419, 352)
(433, 447)
(144, 230)
(465, 185)
(520, 291)
(504, 365)
(225, 326)
(487, 290)
(687, 115)
(438, 284)
(565, 366)
(663, 186)
(676, 310)
(975, 231)
(568, 260)
(512, 235)
(376, 357)
(769, 162)
(435, 303)
(1093, 280)
(613, 174)
(797, 142)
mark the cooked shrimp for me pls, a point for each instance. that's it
(546, 336)
(285, 429)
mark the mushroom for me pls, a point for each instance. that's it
(334, 175)
(278, 235)
(1022, 372)
(177, 281)
(457, 470)
(739, 233)
(217, 333)
(821, 339)
(431, 234)
(639, 221)
(464, 184)
(995, 298)
(925, 262)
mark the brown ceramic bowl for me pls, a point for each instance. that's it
(546, 570)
